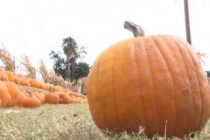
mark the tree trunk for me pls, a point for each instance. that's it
(68, 70)
(72, 68)
(83, 89)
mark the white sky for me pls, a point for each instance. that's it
(35, 27)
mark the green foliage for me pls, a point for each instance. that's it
(81, 70)
(69, 46)
(59, 63)
(73, 52)
(69, 67)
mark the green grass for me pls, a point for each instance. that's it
(61, 122)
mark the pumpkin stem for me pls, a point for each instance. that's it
(134, 28)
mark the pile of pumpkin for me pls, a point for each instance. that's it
(18, 90)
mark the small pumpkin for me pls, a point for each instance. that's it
(57, 89)
(5, 98)
(21, 80)
(64, 98)
(155, 82)
(45, 86)
(30, 102)
(22, 96)
(35, 83)
(40, 96)
(14, 92)
(52, 98)
(3, 75)
(10, 76)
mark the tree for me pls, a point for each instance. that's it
(81, 70)
(73, 52)
(69, 67)
(59, 63)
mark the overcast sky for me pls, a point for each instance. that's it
(35, 27)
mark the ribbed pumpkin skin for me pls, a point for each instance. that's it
(155, 82)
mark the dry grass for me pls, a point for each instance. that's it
(27, 89)
(63, 122)
(44, 72)
(50, 122)
(29, 68)
(52, 77)
(55, 79)
(202, 56)
(6, 58)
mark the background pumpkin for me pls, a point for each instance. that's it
(14, 92)
(64, 98)
(10, 76)
(5, 98)
(52, 98)
(30, 101)
(40, 96)
(35, 83)
(22, 96)
(154, 81)
(3, 75)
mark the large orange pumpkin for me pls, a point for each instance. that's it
(154, 81)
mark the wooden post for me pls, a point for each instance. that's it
(13, 67)
(187, 21)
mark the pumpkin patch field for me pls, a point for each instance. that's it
(33, 110)
(146, 87)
